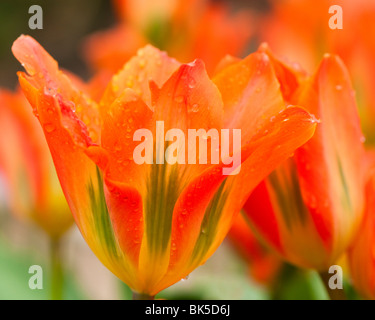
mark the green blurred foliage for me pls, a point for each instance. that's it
(14, 276)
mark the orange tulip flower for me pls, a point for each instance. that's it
(152, 224)
(185, 29)
(26, 165)
(310, 208)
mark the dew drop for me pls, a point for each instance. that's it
(195, 107)
(118, 147)
(186, 278)
(313, 203)
(49, 127)
(192, 84)
(179, 99)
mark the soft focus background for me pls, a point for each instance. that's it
(66, 23)
(225, 275)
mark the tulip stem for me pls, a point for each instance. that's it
(142, 296)
(334, 294)
(56, 270)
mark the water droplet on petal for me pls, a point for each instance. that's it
(49, 127)
(192, 84)
(118, 147)
(186, 278)
(195, 107)
(179, 99)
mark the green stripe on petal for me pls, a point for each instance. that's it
(210, 223)
(347, 200)
(102, 223)
(163, 189)
(285, 189)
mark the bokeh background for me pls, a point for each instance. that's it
(66, 23)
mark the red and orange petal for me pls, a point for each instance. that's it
(17, 146)
(362, 252)
(43, 74)
(68, 139)
(150, 64)
(37, 195)
(290, 75)
(250, 93)
(332, 162)
(263, 264)
(322, 187)
(274, 143)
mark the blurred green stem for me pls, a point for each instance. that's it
(142, 296)
(334, 294)
(56, 270)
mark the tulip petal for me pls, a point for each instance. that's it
(198, 203)
(43, 71)
(361, 253)
(192, 93)
(251, 94)
(149, 64)
(289, 76)
(227, 61)
(68, 140)
(287, 213)
(273, 144)
(187, 100)
(331, 162)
